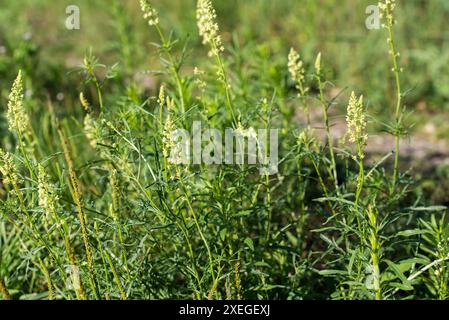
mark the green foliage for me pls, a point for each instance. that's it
(92, 208)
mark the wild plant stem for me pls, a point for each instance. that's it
(328, 133)
(173, 69)
(398, 109)
(81, 214)
(97, 86)
(195, 218)
(361, 176)
(227, 88)
(323, 186)
(375, 249)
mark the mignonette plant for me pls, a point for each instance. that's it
(94, 205)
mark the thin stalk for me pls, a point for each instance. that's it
(398, 110)
(361, 176)
(51, 291)
(375, 250)
(227, 87)
(302, 194)
(174, 70)
(122, 291)
(323, 186)
(183, 230)
(267, 177)
(195, 218)
(97, 86)
(328, 133)
(116, 217)
(34, 234)
(102, 254)
(305, 105)
(64, 232)
(76, 193)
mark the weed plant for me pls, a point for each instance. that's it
(93, 207)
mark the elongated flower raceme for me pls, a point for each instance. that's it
(85, 103)
(208, 27)
(8, 169)
(296, 69)
(318, 64)
(149, 13)
(356, 121)
(387, 8)
(297, 72)
(201, 84)
(18, 120)
(91, 130)
(47, 193)
(167, 137)
(161, 97)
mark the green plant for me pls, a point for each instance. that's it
(109, 210)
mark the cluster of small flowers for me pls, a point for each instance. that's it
(161, 98)
(356, 120)
(85, 103)
(241, 131)
(149, 13)
(198, 79)
(47, 192)
(114, 181)
(18, 120)
(318, 64)
(208, 27)
(387, 11)
(222, 77)
(296, 69)
(168, 142)
(8, 169)
(91, 130)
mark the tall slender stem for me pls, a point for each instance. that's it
(398, 109)
(173, 69)
(328, 133)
